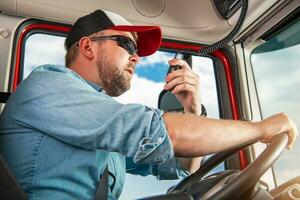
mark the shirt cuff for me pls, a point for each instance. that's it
(171, 170)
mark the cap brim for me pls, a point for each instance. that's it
(149, 37)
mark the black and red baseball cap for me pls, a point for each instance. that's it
(149, 37)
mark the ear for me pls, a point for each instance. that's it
(86, 48)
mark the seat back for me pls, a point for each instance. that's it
(4, 96)
(9, 187)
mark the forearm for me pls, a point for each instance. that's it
(194, 136)
(190, 164)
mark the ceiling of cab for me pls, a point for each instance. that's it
(190, 20)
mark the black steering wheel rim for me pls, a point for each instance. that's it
(247, 178)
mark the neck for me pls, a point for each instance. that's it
(88, 71)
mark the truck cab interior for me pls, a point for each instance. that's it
(246, 53)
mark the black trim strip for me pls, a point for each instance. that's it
(4, 96)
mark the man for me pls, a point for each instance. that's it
(62, 127)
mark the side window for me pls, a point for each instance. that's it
(277, 73)
(43, 49)
(147, 83)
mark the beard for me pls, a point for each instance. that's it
(114, 80)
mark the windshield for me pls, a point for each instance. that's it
(277, 74)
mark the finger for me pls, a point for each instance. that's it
(177, 61)
(293, 134)
(181, 72)
(184, 87)
(181, 80)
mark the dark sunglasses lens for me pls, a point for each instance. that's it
(128, 44)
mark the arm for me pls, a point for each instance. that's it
(211, 136)
(184, 83)
(194, 136)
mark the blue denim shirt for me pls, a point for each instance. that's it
(58, 132)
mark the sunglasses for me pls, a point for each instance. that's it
(122, 41)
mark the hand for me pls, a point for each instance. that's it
(184, 83)
(277, 124)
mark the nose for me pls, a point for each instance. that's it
(134, 58)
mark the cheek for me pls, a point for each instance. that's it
(120, 59)
(116, 56)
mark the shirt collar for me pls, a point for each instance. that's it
(96, 87)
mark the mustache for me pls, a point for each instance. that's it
(130, 65)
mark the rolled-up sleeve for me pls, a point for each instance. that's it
(60, 104)
(156, 146)
(171, 169)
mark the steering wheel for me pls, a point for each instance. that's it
(242, 182)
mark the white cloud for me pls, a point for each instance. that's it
(285, 175)
(203, 65)
(142, 91)
(278, 80)
(154, 59)
(287, 166)
(43, 49)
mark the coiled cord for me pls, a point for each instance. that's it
(231, 35)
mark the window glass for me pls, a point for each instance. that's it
(43, 49)
(277, 75)
(146, 86)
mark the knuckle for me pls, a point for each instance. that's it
(198, 82)
(175, 90)
(185, 71)
(286, 117)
